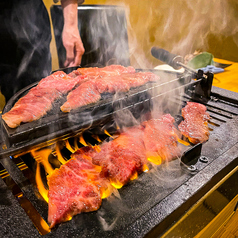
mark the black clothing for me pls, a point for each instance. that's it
(25, 37)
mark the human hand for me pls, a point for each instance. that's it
(73, 46)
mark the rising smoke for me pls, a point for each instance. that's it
(183, 27)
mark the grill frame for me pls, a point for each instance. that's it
(165, 211)
(29, 135)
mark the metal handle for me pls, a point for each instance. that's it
(165, 56)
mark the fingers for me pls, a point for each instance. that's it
(79, 51)
(74, 54)
(73, 46)
(69, 55)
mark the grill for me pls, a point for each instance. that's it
(148, 205)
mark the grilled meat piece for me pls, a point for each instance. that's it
(39, 99)
(160, 139)
(110, 70)
(31, 107)
(82, 96)
(194, 126)
(123, 82)
(122, 157)
(76, 187)
(59, 81)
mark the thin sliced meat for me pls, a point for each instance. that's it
(123, 82)
(97, 81)
(74, 188)
(39, 99)
(89, 92)
(160, 139)
(26, 112)
(113, 70)
(194, 126)
(95, 72)
(83, 95)
(78, 185)
(74, 74)
(140, 78)
(112, 84)
(123, 157)
(60, 81)
(31, 107)
(110, 70)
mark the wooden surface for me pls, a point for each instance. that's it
(229, 78)
(224, 225)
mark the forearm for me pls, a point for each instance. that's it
(70, 13)
(70, 35)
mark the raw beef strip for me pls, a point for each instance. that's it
(123, 82)
(110, 70)
(140, 78)
(60, 81)
(31, 107)
(95, 72)
(195, 121)
(39, 99)
(112, 84)
(83, 95)
(75, 187)
(74, 74)
(79, 77)
(160, 139)
(122, 157)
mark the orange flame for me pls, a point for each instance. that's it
(97, 148)
(76, 143)
(107, 133)
(154, 158)
(106, 192)
(145, 168)
(134, 176)
(41, 188)
(82, 141)
(183, 142)
(41, 156)
(117, 185)
(59, 155)
(97, 138)
(69, 147)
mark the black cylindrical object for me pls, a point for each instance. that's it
(167, 57)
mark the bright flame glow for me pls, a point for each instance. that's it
(97, 148)
(82, 141)
(41, 188)
(117, 185)
(145, 168)
(45, 226)
(155, 159)
(97, 138)
(107, 133)
(69, 217)
(59, 155)
(134, 176)
(41, 156)
(183, 142)
(69, 147)
(106, 193)
(76, 144)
